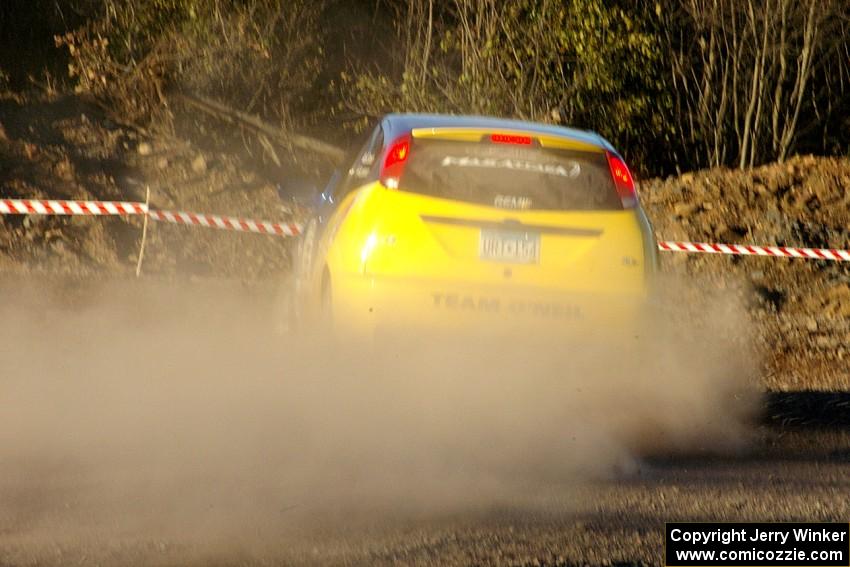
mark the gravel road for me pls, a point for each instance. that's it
(797, 469)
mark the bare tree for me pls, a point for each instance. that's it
(741, 72)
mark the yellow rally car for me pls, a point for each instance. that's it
(447, 222)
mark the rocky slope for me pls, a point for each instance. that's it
(66, 148)
(801, 307)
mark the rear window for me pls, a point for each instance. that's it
(510, 176)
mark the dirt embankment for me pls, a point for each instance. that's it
(67, 148)
(801, 307)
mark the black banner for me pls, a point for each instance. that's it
(757, 545)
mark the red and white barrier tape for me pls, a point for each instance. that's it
(53, 207)
(61, 207)
(64, 207)
(745, 250)
(227, 223)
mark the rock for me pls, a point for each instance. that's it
(34, 220)
(80, 220)
(199, 164)
(144, 149)
(162, 163)
(773, 215)
(684, 209)
(811, 324)
(63, 169)
(30, 150)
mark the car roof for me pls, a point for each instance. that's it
(399, 124)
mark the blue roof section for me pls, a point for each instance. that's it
(397, 124)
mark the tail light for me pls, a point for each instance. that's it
(511, 139)
(623, 181)
(394, 162)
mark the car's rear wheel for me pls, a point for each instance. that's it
(302, 259)
(325, 315)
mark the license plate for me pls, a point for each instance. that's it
(509, 246)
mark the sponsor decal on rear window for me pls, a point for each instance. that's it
(570, 169)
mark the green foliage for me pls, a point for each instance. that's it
(587, 63)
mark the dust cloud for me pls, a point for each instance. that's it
(173, 410)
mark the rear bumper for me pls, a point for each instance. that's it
(366, 305)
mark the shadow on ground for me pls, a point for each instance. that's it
(808, 409)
